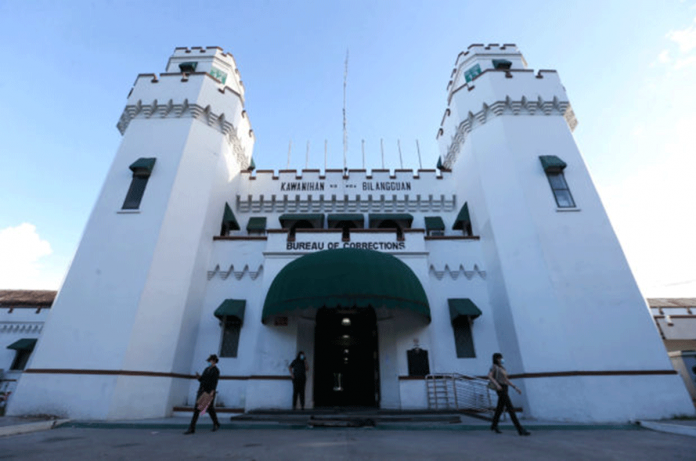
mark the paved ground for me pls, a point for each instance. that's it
(266, 441)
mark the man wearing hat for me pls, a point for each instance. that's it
(208, 381)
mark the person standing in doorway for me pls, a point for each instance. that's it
(209, 381)
(499, 381)
(298, 371)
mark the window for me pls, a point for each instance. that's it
(560, 190)
(434, 226)
(231, 327)
(188, 67)
(553, 167)
(502, 64)
(472, 72)
(229, 222)
(218, 74)
(463, 221)
(463, 339)
(256, 225)
(142, 169)
(20, 360)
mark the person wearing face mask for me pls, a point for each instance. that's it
(209, 381)
(499, 381)
(298, 371)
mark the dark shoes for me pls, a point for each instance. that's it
(215, 427)
(496, 430)
(189, 431)
(525, 432)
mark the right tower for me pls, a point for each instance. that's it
(568, 312)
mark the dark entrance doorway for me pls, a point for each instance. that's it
(346, 365)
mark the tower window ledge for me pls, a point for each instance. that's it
(563, 210)
(128, 212)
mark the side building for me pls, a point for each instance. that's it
(22, 317)
(380, 277)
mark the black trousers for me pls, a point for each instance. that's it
(197, 412)
(504, 403)
(298, 388)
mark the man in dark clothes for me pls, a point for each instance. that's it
(209, 381)
(298, 371)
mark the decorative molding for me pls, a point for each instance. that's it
(538, 107)
(454, 274)
(21, 327)
(322, 204)
(186, 110)
(237, 274)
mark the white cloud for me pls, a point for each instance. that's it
(685, 38)
(21, 252)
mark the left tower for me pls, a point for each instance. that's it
(119, 340)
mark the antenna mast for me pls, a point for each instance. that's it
(345, 130)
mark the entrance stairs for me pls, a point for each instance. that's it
(351, 417)
(454, 391)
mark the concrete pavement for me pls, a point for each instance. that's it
(164, 440)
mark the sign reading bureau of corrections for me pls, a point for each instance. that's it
(319, 246)
(311, 242)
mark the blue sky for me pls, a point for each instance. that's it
(68, 66)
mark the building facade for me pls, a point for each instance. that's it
(380, 277)
(22, 317)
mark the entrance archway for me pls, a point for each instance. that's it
(346, 365)
(345, 288)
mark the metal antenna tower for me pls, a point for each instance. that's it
(345, 129)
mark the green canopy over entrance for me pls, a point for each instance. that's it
(346, 277)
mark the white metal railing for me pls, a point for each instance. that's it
(454, 391)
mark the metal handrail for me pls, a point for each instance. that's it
(461, 392)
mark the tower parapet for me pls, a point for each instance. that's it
(493, 81)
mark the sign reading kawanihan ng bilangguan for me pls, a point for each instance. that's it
(310, 186)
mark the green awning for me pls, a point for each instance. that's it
(188, 67)
(434, 223)
(502, 64)
(440, 166)
(346, 277)
(143, 166)
(403, 218)
(252, 165)
(356, 218)
(552, 164)
(317, 219)
(462, 218)
(24, 344)
(229, 219)
(231, 308)
(257, 224)
(463, 307)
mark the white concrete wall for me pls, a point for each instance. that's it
(559, 284)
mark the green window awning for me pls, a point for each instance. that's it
(143, 166)
(404, 219)
(24, 344)
(462, 218)
(552, 164)
(356, 218)
(463, 307)
(440, 166)
(252, 165)
(256, 224)
(229, 220)
(316, 219)
(502, 64)
(434, 223)
(231, 308)
(345, 277)
(188, 67)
